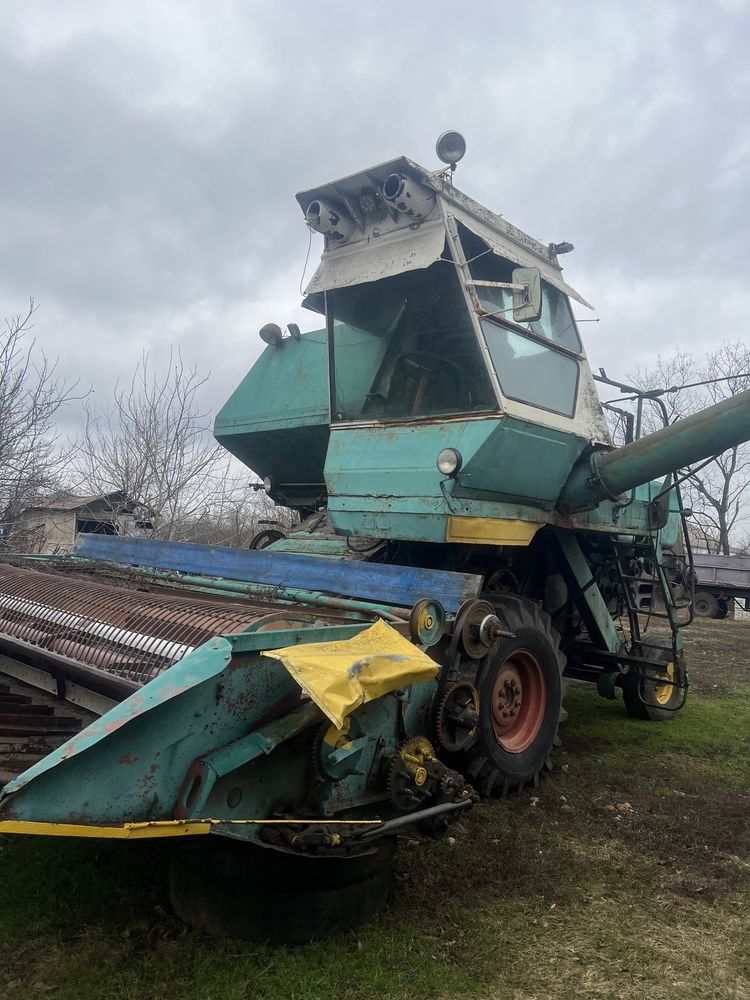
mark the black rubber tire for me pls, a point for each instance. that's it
(644, 707)
(229, 889)
(492, 769)
(265, 538)
(706, 605)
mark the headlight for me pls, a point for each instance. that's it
(329, 219)
(449, 462)
(268, 484)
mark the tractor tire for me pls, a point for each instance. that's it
(231, 889)
(520, 702)
(645, 699)
(706, 605)
(266, 537)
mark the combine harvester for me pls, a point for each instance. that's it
(470, 538)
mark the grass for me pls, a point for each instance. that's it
(626, 875)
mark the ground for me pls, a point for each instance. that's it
(627, 874)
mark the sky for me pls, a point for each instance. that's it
(151, 152)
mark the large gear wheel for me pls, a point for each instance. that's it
(407, 773)
(457, 716)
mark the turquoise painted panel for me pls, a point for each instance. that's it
(503, 459)
(521, 461)
(398, 460)
(276, 421)
(286, 387)
(129, 765)
(425, 519)
(390, 471)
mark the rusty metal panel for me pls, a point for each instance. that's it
(127, 634)
(389, 254)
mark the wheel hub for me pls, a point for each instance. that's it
(664, 692)
(518, 701)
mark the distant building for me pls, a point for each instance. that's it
(53, 526)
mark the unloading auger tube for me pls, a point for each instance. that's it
(607, 474)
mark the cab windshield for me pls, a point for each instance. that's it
(404, 348)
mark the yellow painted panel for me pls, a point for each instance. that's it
(128, 831)
(490, 530)
(341, 676)
(157, 828)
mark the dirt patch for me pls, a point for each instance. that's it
(718, 654)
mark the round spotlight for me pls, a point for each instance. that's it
(271, 334)
(329, 219)
(449, 462)
(450, 147)
(268, 484)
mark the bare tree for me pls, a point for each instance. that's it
(154, 442)
(31, 394)
(239, 509)
(718, 492)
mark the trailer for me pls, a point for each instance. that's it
(721, 583)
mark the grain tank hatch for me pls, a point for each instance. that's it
(446, 327)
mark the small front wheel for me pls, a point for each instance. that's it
(655, 698)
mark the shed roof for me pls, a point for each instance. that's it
(118, 500)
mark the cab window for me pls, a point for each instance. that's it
(405, 348)
(532, 360)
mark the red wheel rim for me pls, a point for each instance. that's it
(519, 697)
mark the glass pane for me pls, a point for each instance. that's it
(556, 322)
(405, 347)
(530, 372)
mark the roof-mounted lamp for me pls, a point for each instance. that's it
(329, 219)
(271, 334)
(450, 148)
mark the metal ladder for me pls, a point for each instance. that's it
(650, 549)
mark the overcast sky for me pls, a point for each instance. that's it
(151, 152)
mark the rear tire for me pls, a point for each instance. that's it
(230, 889)
(706, 605)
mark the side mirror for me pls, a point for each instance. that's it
(527, 300)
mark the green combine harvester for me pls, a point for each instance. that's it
(469, 539)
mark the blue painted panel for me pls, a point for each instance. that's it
(402, 586)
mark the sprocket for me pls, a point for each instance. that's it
(457, 716)
(408, 772)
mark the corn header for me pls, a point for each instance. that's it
(469, 539)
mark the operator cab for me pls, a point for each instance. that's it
(432, 345)
(438, 308)
(449, 332)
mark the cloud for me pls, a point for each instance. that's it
(152, 153)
